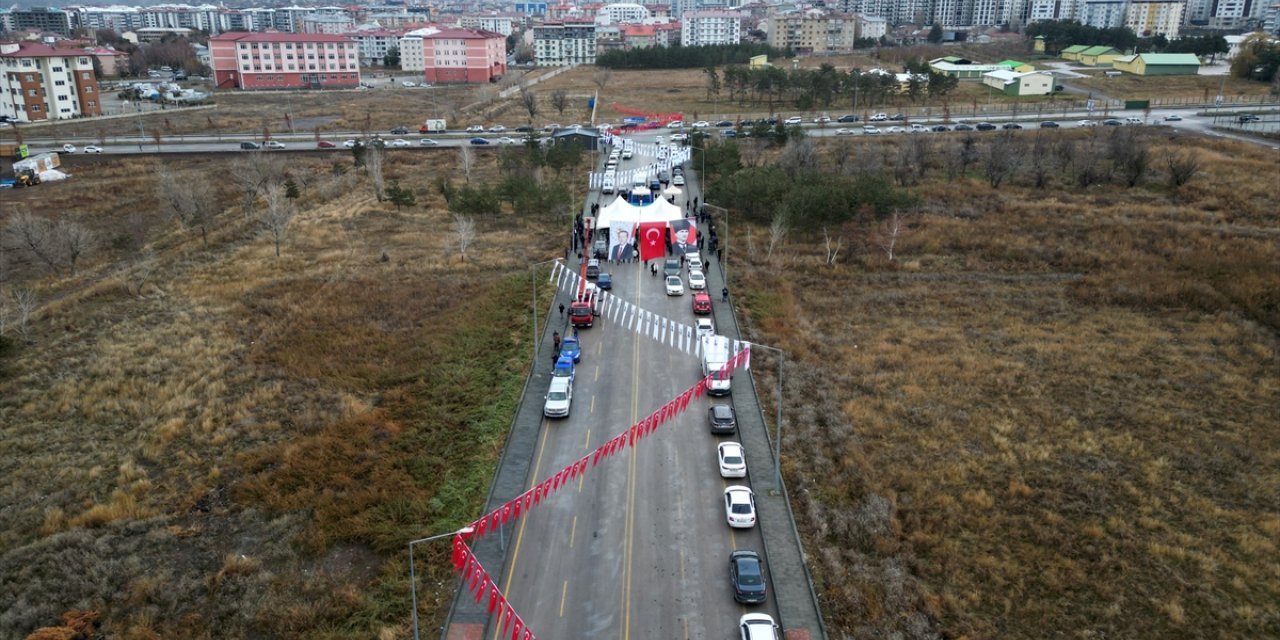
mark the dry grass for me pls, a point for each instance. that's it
(235, 447)
(1054, 416)
(1198, 87)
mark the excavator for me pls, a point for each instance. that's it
(26, 178)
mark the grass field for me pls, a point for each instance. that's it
(1052, 415)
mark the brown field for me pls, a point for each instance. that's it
(1052, 415)
(1196, 88)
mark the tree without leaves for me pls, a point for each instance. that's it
(601, 77)
(903, 170)
(374, 160)
(1040, 165)
(560, 101)
(35, 235)
(74, 241)
(191, 203)
(466, 160)
(464, 232)
(24, 301)
(252, 173)
(529, 100)
(778, 228)
(921, 149)
(890, 232)
(1003, 157)
(800, 154)
(1129, 156)
(280, 213)
(1182, 168)
(833, 246)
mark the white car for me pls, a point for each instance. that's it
(675, 124)
(697, 281)
(497, 128)
(679, 137)
(92, 148)
(677, 180)
(1088, 123)
(842, 131)
(627, 154)
(274, 144)
(695, 262)
(757, 626)
(870, 130)
(349, 144)
(658, 140)
(399, 142)
(794, 120)
(407, 83)
(879, 117)
(822, 119)
(701, 124)
(895, 130)
(740, 507)
(559, 398)
(428, 142)
(475, 128)
(551, 127)
(68, 148)
(705, 327)
(733, 464)
(675, 286)
(507, 140)
(1173, 118)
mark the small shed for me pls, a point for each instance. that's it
(1014, 84)
(1159, 64)
(1099, 56)
(1072, 52)
(587, 138)
(1014, 65)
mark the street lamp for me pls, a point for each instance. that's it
(413, 578)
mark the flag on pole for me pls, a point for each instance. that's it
(746, 360)
(652, 240)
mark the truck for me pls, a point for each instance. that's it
(38, 163)
(433, 126)
(715, 355)
(18, 151)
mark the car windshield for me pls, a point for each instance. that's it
(721, 412)
(673, 281)
(732, 459)
(557, 395)
(580, 311)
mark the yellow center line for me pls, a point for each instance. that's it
(587, 444)
(564, 591)
(515, 549)
(629, 535)
(573, 530)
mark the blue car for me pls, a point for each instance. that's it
(571, 348)
(564, 368)
(479, 141)
(604, 281)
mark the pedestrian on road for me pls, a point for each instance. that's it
(555, 338)
(719, 254)
(561, 309)
(653, 267)
(575, 332)
(724, 293)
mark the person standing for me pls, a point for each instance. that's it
(561, 309)
(724, 294)
(555, 339)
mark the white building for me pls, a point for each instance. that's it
(1103, 14)
(413, 50)
(374, 45)
(1150, 17)
(330, 24)
(872, 26)
(560, 44)
(708, 27)
(497, 23)
(622, 13)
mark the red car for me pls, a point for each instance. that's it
(701, 303)
(325, 144)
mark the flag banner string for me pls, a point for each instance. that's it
(540, 491)
(480, 584)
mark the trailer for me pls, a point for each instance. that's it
(433, 125)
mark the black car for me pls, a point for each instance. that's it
(729, 133)
(770, 121)
(986, 126)
(1012, 125)
(722, 419)
(747, 122)
(1248, 118)
(725, 123)
(479, 141)
(524, 129)
(847, 118)
(940, 128)
(604, 281)
(746, 572)
(897, 117)
(1112, 123)
(400, 131)
(964, 127)
(1048, 124)
(250, 145)
(1058, 87)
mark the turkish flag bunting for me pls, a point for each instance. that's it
(515, 506)
(459, 552)
(508, 614)
(528, 635)
(697, 391)
(476, 579)
(484, 588)
(467, 568)
(653, 240)
(528, 500)
(479, 527)
(494, 597)
(506, 513)
(595, 457)
(537, 494)
(516, 627)
(495, 519)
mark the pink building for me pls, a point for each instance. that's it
(271, 60)
(464, 55)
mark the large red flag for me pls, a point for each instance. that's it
(653, 240)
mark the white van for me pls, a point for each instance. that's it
(559, 397)
(608, 187)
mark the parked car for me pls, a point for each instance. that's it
(733, 462)
(92, 148)
(675, 286)
(604, 281)
(849, 117)
(986, 126)
(558, 399)
(746, 574)
(1048, 124)
(694, 261)
(758, 626)
(794, 120)
(400, 131)
(593, 268)
(671, 267)
(428, 142)
(702, 303)
(325, 144)
(704, 326)
(722, 420)
(571, 348)
(678, 180)
(740, 507)
(480, 141)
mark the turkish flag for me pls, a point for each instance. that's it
(506, 513)
(516, 627)
(495, 597)
(653, 240)
(459, 553)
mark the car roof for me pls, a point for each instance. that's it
(730, 447)
(559, 384)
(722, 409)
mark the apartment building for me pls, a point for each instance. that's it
(40, 82)
(871, 26)
(1151, 17)
(332, 24)
(560, 44)
(464, 55)
(375, 44)
(41, 20)
(257, 61)
(707, 27)
(502, 23)
(622, 13)
(813, 31)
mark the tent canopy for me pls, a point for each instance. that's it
(623, 212)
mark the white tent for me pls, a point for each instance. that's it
(622, 211)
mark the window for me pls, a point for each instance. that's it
(88, 89)
(92, 103)
(30, 78)
(31, 92)
(35, 107)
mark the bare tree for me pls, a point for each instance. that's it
(1129, 156)
(252, 173)
(466, 160)
(778, 229)
(891, 230)
(138, 271)
(903, 170)
(374, 162)
(921, 149)
(560, 101)
(464, 231)
(1041, 163)
(74, 242)
(601, 77)
(1003, 156)
(799, 154)
(35, 235)
(1182, 168)
(529, 100)
(841, 156)
(833, 246)
(280, 213)
(24, 301)
(189, 202)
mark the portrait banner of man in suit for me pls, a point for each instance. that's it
(684, 237)
(620, 247)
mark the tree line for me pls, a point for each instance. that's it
(680, 57)
(823, 87)
(1060, 34)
